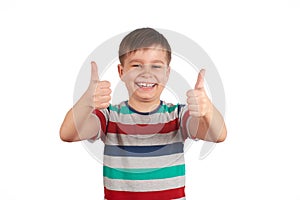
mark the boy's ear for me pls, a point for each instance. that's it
(168, 71)
(120, 70)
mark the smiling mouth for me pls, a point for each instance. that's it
(146, 85)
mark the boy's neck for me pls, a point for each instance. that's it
(146, 106)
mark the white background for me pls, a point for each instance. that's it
(254, 44)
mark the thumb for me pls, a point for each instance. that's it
(94, 71)
(200, 80)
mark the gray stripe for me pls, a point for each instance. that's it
(147, 162)
(144, 186)
(143, 119)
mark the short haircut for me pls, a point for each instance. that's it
(143, 38)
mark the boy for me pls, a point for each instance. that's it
(143, 136)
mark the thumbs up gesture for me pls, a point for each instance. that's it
(98, 91)
(198, 102)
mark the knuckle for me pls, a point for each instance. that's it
(104, 105)
(105, 83)
(189, 101)
(189, 92)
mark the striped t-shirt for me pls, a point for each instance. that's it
(143, 153)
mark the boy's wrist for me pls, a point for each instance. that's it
(85, 102)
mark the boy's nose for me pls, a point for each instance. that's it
(147, 74)
(147, 71)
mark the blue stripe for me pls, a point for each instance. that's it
(143, 151)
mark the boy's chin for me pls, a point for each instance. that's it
(146, 98)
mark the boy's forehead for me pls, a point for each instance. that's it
(148, 54)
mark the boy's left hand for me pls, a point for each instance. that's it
(198, 102)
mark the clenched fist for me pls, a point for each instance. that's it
(98, 91)
(198, 102)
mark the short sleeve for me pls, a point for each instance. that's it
(103, 116)
(184, 118)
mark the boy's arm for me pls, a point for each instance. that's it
(205, 121)
(80, 123)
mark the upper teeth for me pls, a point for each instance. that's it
(145, 84)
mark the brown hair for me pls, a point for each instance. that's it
(143, 38)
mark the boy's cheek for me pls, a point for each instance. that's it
(163, 79)
(126, 76)
(129, 74)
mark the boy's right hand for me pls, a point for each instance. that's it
(98, 91)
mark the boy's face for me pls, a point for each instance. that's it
(145, 73)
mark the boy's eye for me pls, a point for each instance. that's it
(136, 65)
(156, 66)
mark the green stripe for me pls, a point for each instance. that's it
(165, 108)
(144, 174)
(126, 110)
(122, 110)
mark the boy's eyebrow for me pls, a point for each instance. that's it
(141, 61)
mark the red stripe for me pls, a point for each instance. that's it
(115, 127)
(156, 195)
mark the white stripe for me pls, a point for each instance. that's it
(144, 185)
(143, 162)
(144, 140)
